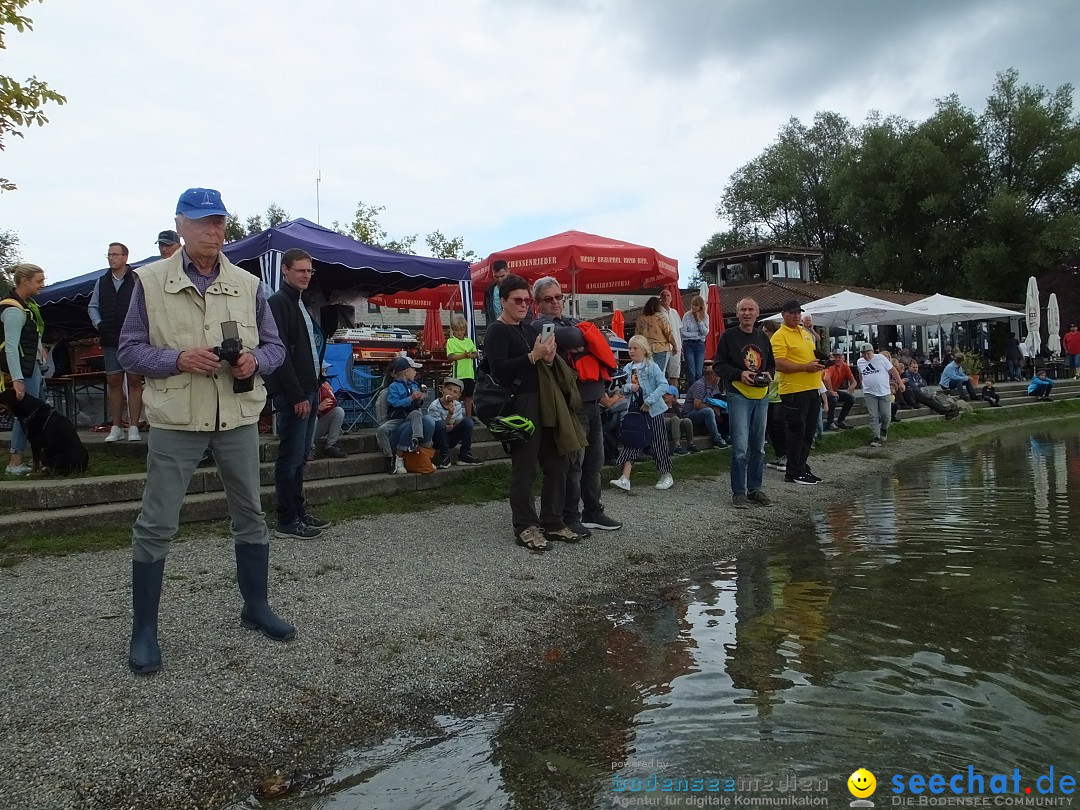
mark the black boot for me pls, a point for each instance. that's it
(144, 656)
(252, 564)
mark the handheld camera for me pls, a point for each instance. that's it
(229, 351)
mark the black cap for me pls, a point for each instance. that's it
(791, 306)
(168, 238)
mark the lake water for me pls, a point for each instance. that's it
(930, 627)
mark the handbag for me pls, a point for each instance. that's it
(634, 431)
(491, 399)
(420, 460)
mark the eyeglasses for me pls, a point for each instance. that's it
(525, 301)
(113, 255)
(550, 299)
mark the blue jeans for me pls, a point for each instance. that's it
(747, 419)
(294, 438)
(401, 438)
(694, 355)
(660, 358)
(444, 439)
(706, 418)
(35, 387)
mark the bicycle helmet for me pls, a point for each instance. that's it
(511, 430)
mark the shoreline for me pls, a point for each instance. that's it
(399, 618)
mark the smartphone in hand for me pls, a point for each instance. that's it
(547, 331)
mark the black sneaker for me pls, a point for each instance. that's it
(602, 522)
(813, 478)
(313, 522)
(842, 426)
(805, 479)
(693, 448)
(297, 531)
(738, 500)
(442, 461)
(758, 497)
(467, 458)
(578, 528)
(333, 451)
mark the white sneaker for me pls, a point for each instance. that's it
(622, 482)
(399, 466)
(21, 469)
(115, 435)
(665, 482)
(133, 434)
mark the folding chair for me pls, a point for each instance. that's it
(356, 390)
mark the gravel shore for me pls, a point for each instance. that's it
(398, 618)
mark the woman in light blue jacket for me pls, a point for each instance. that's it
(645, 387)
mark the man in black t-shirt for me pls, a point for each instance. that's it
(744, 360)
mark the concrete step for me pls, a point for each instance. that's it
(64, 493)
(211, 505)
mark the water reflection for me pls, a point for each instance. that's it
(925, 626)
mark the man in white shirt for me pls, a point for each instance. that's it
(875, 370)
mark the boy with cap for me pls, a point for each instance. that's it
(799, 374)
(405, 401)
(678, 424)
(452, 426)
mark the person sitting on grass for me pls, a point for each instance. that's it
(990, 395)
(1040, 386)
(915, 385)
(405, 401)
(331, 417)
(677, 423)
(452, 426)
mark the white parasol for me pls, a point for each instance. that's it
(1034, 319)
(1053, 326)
(941, 310)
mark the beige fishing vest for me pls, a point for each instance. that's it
(182, 319)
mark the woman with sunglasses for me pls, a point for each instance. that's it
(512, 348)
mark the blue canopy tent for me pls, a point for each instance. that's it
(342, 263)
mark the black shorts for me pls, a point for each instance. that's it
(470, 386)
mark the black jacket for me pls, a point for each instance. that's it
(297, 378)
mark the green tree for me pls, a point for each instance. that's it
(21, 103)
(443, 248)
(365, 227)
(275, 215)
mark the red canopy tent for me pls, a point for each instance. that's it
(583, 262)
(716, 322)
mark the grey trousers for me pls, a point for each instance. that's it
(329, 425)
(880, 411)
(171, 459)
(582, 498)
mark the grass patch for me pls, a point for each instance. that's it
(108, 539)
(104, 460)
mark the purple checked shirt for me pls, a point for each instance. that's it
(138, 356)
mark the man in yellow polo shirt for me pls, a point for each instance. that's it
(799, 374)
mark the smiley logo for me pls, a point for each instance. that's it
(862, 783)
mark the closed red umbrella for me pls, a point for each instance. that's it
(716, 322)
(676, 297)
(433, 335)
(618, 325)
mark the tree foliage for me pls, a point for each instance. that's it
(21, 103)
(961, 203)
(237, 227)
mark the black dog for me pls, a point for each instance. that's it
(53, 439)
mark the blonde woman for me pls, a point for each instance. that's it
(645, 387)
(694, 330)
(654, 327)
(22, 354)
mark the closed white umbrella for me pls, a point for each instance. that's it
(1053, 326)
(1034, 317)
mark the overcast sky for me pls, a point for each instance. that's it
(499, 121)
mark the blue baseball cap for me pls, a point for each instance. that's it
(196, 203)
(671, 389)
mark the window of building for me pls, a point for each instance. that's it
(592, 303)
(404, 310)
(777, 269)
(372, 308)
(607, 306)
(794, 268)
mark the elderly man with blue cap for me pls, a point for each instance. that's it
(200, 331)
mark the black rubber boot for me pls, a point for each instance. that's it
(144, 656)
(252, 564)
